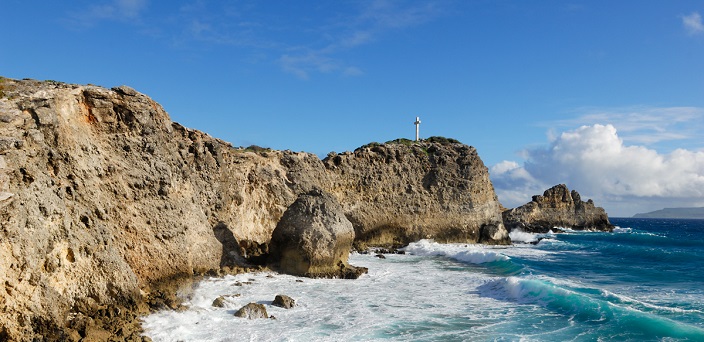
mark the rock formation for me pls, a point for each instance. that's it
(404, 191)
(314, 239)
(104, 201)
(252, 311)
(557, 207)
(284, 301)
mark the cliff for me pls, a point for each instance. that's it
(557, 207)
(103, 198)
(429, 189)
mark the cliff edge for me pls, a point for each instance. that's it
(103, 199)
(403, 191)
(557, 207)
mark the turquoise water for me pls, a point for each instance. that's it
(642, 282)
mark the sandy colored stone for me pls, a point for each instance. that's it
(252, 311)
(557, 207)
(313, 237)
(400, 192)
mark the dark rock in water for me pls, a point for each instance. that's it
(380, 256)
(313, 238)
(536, 241)
(219, 302)
(284, 301)
(252, 311)
(352, 272)
(557, 207)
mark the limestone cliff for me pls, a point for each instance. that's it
(557, 207)
(102, 196)
(404, 191)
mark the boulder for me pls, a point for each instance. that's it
(557, 207)
(219, 302)
(284, 301)
(313, 239)
(252, 311)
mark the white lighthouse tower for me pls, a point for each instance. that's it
(417, 123)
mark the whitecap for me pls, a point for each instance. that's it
(518, 235)
(622, 230)
(473, 254)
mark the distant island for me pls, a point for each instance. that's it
(684, 213)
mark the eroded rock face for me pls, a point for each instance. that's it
(401, 192)
(313, 238)
(557, 207)
(103, 197)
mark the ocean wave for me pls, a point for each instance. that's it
(621, 299)
(578, 305)
(518, 235)
(620, 230)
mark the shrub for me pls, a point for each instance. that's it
(401, 141)
(257, 149)
(442, 140)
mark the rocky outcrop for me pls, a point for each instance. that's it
(314, 239)
(557, 207)
(103, 200)
(403, 191)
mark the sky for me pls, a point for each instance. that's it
(604, 96)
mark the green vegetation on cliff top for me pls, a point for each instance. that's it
(409, 142)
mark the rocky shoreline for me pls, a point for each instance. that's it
(558, 207)
(107, 208)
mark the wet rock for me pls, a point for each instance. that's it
(284, 301)
(252, 311)
(219, 302)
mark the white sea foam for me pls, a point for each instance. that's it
(474, 254)
(622, 230)
(403, 297)
(518, 235)
(417, 297)
(628, 300)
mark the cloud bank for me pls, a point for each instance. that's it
(595, 161)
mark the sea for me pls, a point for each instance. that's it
(642, 282)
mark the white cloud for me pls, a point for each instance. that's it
(301, 65)
(120, 10)
(693, 23)
(375, 19)
(644, 125)
(513, 184)
(595, 161)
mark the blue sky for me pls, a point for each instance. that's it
(605, 96)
